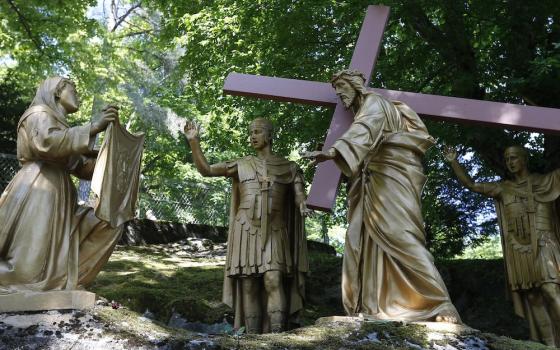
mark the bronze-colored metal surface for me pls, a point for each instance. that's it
(266, 258)
(527, 209)
(47, 241)
(387, 271)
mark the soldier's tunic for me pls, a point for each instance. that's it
(266, 229)
(259, 240)
(529, 224)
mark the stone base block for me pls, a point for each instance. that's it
(52, 300)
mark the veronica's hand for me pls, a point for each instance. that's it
(109, 114)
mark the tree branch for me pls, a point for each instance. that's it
(123, 17)
(25, 23)
(147, 31)
(529, 101)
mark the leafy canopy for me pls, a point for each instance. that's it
(163, 62)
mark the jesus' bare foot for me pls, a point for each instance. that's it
(447, 317)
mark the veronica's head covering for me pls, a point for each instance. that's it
(48, 93)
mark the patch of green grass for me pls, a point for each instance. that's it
(150, 278)
(144, 281)
(504, 343)
(323, 288)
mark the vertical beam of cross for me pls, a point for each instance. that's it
(327, 176)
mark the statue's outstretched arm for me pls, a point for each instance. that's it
(450, 155)
(205, 169)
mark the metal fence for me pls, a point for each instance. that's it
(185, 201)
(9, 165)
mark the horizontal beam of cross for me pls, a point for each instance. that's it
(327, 176)
(280, 89)
(461, 110)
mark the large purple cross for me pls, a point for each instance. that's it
(327, 177)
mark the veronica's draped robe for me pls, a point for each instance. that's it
(387, 271)
(47, 241)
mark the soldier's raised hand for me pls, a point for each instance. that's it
(191, 130)
(449, 153)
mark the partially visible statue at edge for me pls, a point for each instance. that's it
(527, 207)
(387, 271)
(267, 251)
(47, 241)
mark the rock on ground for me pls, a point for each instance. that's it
(104, 327)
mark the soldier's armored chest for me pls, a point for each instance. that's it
(526, 217)
(251, 193)
(263, 198)
(515, 206)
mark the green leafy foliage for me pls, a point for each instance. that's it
(163, 62)
(12, 105)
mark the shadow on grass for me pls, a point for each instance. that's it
(194, 292)
(142, 280)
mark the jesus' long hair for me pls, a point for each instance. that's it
(354, 77)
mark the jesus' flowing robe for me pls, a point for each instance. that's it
(387, 271)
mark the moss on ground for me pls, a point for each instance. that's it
(495, 342)
(131, 325)
(390, 332)
(145, 278)
(163, 283)
(370, 335)
(377, 335)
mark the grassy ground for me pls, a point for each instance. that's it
(187, 280)
(159, 280)
(163, 279)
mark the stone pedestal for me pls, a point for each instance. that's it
(52, 300)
